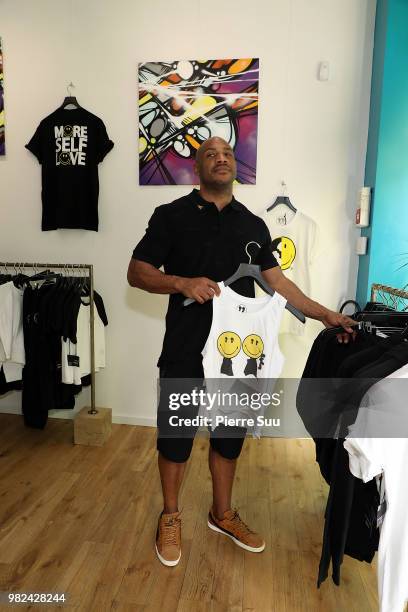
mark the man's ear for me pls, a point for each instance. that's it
(195, 168)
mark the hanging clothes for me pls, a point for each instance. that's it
(12, 353)
(335, 380)
(242, 354)
(294, 239)
(373, 453)
(76, 356)
(69, 145)
(40, 374)
(39, 315)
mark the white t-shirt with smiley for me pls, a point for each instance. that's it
(293, 243)
(242, 354)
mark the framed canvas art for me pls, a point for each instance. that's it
(183, 103)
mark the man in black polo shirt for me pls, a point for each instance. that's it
(200, 240)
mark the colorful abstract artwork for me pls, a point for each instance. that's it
(2, 138)
(183, 103)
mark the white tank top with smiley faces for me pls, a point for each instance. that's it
(242, 353)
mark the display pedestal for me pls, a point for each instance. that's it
(92, 429)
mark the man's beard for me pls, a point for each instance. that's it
(218, 183)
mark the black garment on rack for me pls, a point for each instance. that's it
(347, 527)
(50, 310)
(67, 315)
(43, 389)
(39, 375)
(100, 307)
(316, 398)
(350, 517)
(5, 387)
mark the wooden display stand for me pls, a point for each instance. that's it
(92, 429)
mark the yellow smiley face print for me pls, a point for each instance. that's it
(253, 346)
(285, 251)
(229, 344)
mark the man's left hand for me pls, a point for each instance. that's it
(336, 319)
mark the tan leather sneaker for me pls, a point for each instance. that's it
(168, 538)
(234, 527)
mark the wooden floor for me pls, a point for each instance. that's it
(82, 520)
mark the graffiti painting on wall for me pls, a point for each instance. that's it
(2, 141)
(182, 103)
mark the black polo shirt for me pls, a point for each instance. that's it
(191, 241)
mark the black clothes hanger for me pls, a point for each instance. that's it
(17, 277)
(373, 306)
(370, 321)
(347, 302)
(20, 280)
(45, 275)
(282, 199)
(390, 318)
(70, 99)
(5, 278)
(252, 271)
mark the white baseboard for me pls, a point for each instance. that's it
(120, 419)
(129, 420)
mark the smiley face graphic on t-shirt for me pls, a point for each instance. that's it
(67, 130)
(253, 346)
(229, 345)
(64, 159)
(284, 250)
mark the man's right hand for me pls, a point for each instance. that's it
(199, 288)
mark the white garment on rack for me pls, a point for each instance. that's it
(70, 374)
(383, 408)
(247, 329)
(12, 353)
(294, 245)
(6, 317)
(73, 374)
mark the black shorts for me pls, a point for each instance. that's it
(176, 445)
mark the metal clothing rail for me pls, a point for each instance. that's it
(70, 268)
(390, 296)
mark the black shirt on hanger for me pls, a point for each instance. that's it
(347, 526)
(191, 241)
(351, 511)
(69, 145)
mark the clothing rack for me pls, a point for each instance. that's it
(70, 268)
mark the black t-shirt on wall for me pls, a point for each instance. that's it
(69, 144)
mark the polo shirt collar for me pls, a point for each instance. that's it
(199, 200)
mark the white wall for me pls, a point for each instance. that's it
(312, 134)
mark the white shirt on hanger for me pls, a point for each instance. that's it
(293, 244)
(82, 349)
(12, 352)
(243, 344)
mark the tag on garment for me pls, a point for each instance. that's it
(282, 220)
(73, 360)
(382, 509)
